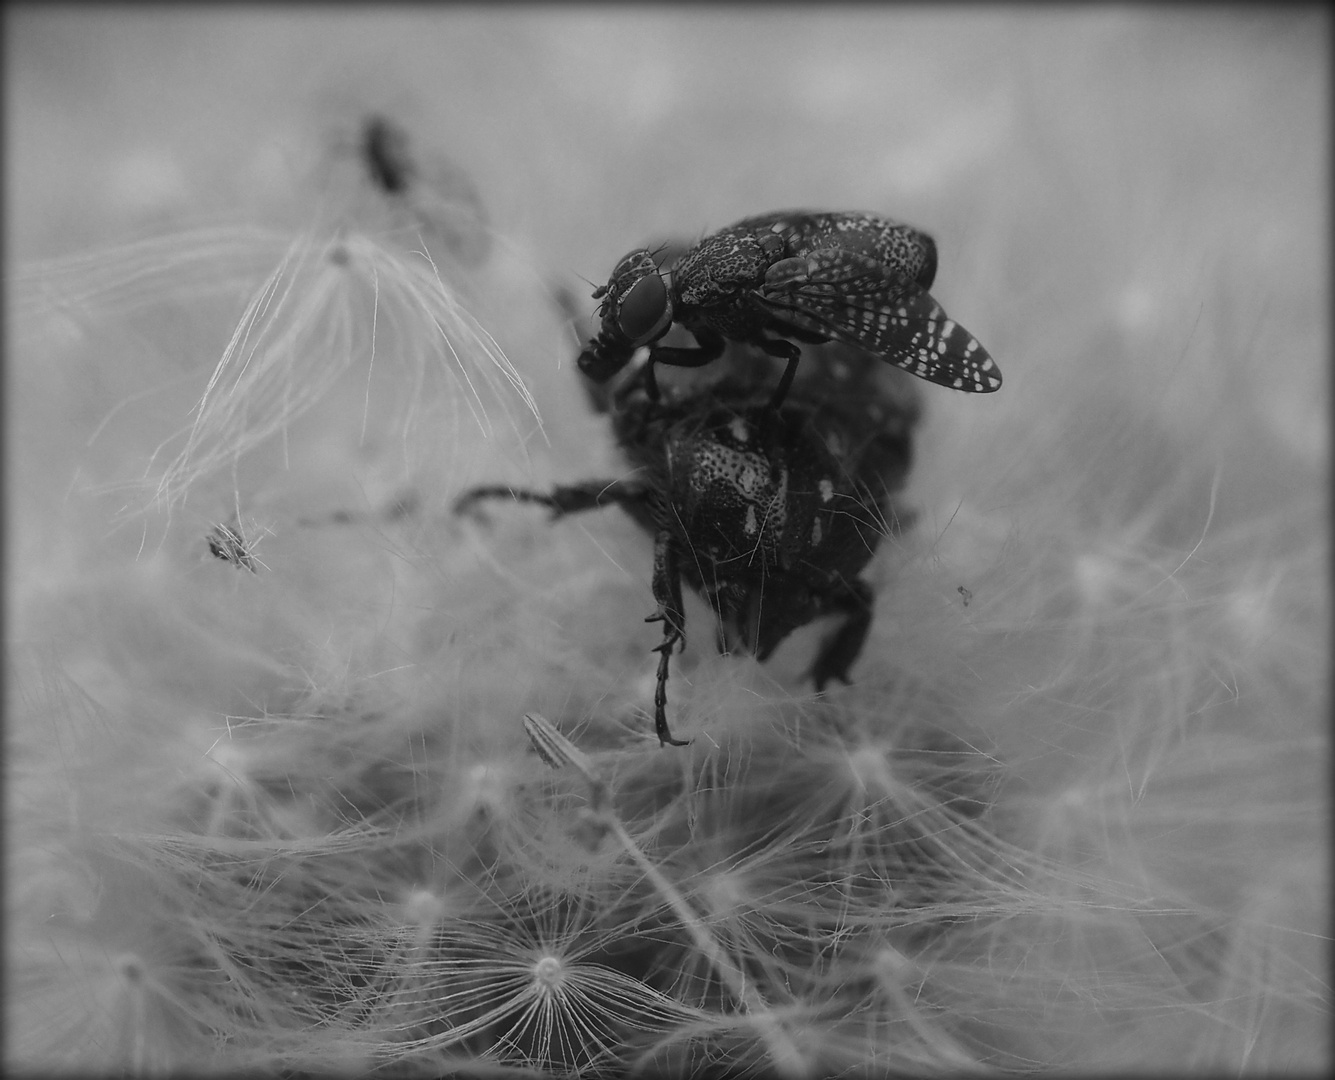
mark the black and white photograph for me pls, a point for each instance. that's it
(555, 540)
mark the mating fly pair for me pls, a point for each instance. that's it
(769, 503)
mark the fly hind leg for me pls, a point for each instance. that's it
(667, 591)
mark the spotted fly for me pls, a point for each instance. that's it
(771, 515)
(779, 279)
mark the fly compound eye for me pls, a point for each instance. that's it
(645, 311)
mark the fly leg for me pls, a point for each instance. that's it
(561, 500)
(841, 649)
(784, 350)
(710, 348)
(667, 591)
(787, 350)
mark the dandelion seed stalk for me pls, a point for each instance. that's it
(555, 749)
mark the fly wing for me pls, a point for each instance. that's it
(788, 223)
(854, 298)
(901, 249)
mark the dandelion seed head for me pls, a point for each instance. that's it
(1096, 578)
(149, 181)
(487, 786)
(965, 537)
(1065, 815)
(891, 964)
(56, 885)
(727, 889)
(423, 907)
(231, 757)
(59, 329)
(871, 774)
(1250, 610)
(131, 968)
(1074, 799)
(1138, 307)
(548, 975)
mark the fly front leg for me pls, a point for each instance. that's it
(667, 591)
(710, 347)
(841, 649)
(561, 500)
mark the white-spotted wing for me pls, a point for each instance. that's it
(855, 298)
